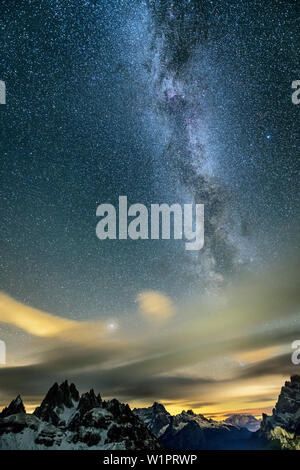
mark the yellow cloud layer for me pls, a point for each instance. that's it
(30, 319)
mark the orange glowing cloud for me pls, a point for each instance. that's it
(155, 306)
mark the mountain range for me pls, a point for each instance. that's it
(67, 420)
(192, 431)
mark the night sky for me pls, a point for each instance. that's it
(164, 102)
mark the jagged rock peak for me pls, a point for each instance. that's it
(289, 398)
(15, 407)
(56, 400)
(159, 407)
(63, 394)
(192, 414)
(283, 427)
(156, 417)
(89, 400)
(295, 379)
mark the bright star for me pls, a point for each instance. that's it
(112, 325)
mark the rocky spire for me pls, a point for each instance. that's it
(88, 401)
(159, 407)
(15, 407)
(289, 398)
(156, 417)
(57, 398)
(283, 427)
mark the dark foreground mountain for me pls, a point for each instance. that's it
(190, 431)
(66, 420)
(282, 429)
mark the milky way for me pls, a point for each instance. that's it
(179, 30)
(159, 101)
(185, 34)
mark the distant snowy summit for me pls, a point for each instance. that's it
(244, 421)
(66, 420)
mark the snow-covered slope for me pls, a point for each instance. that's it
(282, 429)
(67, 421)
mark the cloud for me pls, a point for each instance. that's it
(281, 365)
(155, 306)
(51, 327)
(252, 328)
(31, 320)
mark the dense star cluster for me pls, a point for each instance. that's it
(163, 101)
